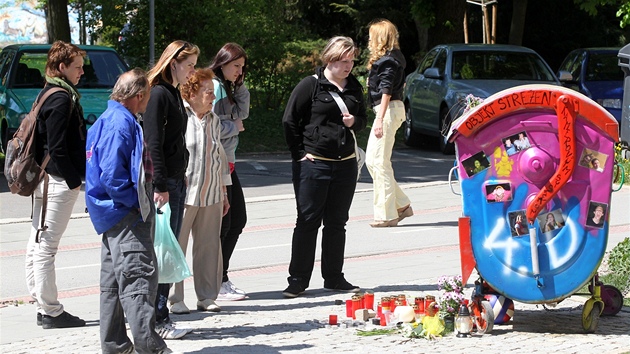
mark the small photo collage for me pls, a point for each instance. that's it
(501, 192)
(593, 160)
(596, 214)
(476, 163)
(551, 221)
(518, 223)
(516, 143)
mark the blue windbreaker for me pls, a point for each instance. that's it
(113, 165)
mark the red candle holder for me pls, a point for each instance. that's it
(332, 320)
(368, 301)
(420, 302)
(385, 304)
(349, 312)
(403, 299)
(356, 305)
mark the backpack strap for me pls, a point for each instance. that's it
(42, 217)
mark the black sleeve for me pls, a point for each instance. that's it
(387, 75)
(154, 119)
(360, 116)
(56, 112)
(297, 114)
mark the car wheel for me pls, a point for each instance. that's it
(446, 147)
(411, 138)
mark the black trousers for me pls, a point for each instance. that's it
(233, 222)
(323, 193)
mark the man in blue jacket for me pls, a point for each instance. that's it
(117, 193)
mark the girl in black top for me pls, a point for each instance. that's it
(385, 88)
(324, 165)
(164, 124)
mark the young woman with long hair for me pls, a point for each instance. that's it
(164, 124)
(232, 106)
(385, 89)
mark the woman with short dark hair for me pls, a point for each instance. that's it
(61, 136)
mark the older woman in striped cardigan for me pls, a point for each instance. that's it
(206, 203)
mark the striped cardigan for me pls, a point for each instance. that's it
(207, 170)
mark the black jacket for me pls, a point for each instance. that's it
(62, 134)
(387, 76)
(313, 121)
(164, 124)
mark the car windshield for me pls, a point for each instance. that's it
(499, 65)
(603, 67)
(101, 70)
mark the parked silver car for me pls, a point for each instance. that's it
(435, 93)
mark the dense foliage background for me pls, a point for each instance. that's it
(283, 37)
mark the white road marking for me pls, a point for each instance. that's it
(257, 166)
(417, 229)
(261, 247)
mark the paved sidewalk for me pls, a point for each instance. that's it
(268, 323)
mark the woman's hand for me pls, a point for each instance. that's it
(160, 198)
(226, 205)
(348, 120)
(378, 128)
(239, 125)
(308, 156)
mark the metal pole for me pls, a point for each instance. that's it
(151, 32)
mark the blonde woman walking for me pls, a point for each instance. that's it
(385, 87)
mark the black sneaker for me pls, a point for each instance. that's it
(39, 319)
(341, 285)
(294, 289)
(65, 320)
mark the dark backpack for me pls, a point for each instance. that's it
(21, 169)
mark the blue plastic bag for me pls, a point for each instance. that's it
(172, 265)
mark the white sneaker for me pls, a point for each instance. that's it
(208, 305)
(168, 331)
(179, 308)
(233, 287)
(228, 292)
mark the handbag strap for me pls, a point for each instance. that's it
(342, 107)
(340, 102)
(344, 110)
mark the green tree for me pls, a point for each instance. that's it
(592, 7)
(57, 23)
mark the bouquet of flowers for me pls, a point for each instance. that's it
(452, 295)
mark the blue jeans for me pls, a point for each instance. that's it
(323, 193)
(176, 197)
(128, 286)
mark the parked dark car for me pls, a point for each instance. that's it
(22, 69)
(595, 73)
(435, 92)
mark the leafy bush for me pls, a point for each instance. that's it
(618, 274)
(263, 132)
(619, 258)
(622, 174)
